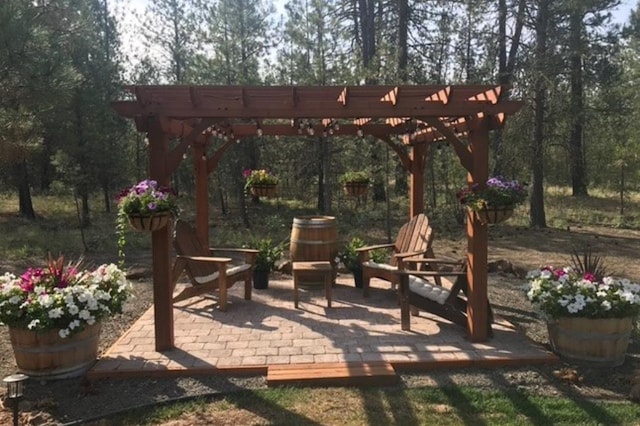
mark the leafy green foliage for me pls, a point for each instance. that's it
(359, 176)
(269, 253)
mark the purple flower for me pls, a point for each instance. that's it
(152, 206)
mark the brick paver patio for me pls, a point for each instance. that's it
(267, 331)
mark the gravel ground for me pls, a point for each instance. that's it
(73, 400)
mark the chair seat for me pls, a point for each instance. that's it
(233, 270)
(427, 290)
(370, 264)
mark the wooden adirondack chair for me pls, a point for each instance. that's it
(414, 239)
(425, 288)
(210, 269)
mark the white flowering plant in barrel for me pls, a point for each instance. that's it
(62, 296)
(568, 292)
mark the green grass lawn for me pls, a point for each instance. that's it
(449, 405)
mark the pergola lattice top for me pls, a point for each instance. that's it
(374, 110)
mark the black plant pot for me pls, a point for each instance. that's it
(357, 277)
(260, 279)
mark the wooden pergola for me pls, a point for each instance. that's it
(210, 119)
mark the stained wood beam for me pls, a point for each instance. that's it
(459, 147)
(174, 157)
(358, 107)
(404, 158)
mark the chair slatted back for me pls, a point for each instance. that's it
(186, 243)
(415, 235)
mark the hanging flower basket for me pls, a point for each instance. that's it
(494, 202)
(263, 190)
(356, 189)
(492, 215)
(149, 222)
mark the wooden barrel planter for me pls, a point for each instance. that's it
(263, 190)
(356, 189)
(149, 222)
(47, 355)
(313, 238)
(492, 215)
(600, 342)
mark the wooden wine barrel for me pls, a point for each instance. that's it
(49, 356)
(314, 238)
(599, 342)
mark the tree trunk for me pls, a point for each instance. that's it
(21, 174)
(576, 151)
(84, 197)
(506, 65)
(403, 30)
(368, 33)
(321, 205)
(106, 196)
(537, 214)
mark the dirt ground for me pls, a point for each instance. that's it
(512, 252)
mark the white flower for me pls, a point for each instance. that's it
(606, 305)
(45, 300)
(87, 297)
(64, 332)
(55, 313)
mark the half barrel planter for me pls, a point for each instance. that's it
(598, 342)
(356, 189)
(47, 355)
(263, 190)
(149, 223)
(493, 215)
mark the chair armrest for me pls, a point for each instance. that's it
(439, 261)
(205, 259)
(233, 250)
(376, 247)
(363, 252)
(410, 254)
(249, 254)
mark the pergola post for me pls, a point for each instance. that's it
(477, 234)
(202, 193)
(416, 182)
(161, 243)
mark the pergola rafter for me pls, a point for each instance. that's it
(407, 118)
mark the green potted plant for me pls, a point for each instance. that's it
(350, 258)
(495, 202)
(268, 254)
(260, 182)
(355, 183)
